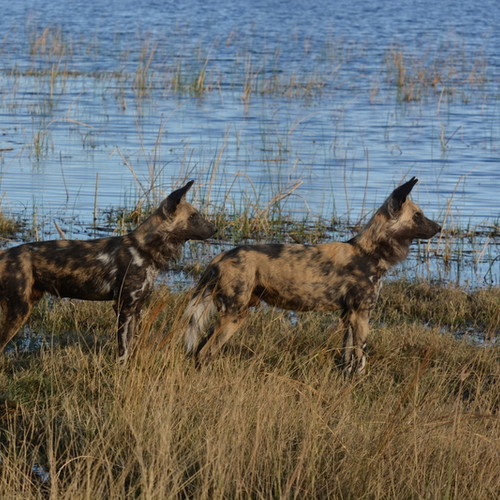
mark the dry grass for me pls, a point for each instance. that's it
(8, 226)
(449, 307)
(272, 417)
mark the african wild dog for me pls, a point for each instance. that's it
(324, 277)
(118, 268)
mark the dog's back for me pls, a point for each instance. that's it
(294, 276)
(65, 268)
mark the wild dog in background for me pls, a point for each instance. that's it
(324, 277)
(118, 268)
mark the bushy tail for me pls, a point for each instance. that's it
(198, 314)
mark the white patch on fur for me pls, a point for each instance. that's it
(198, 314)
(106, 287)
(136, 258)
(362, 365)
(151, 274)
(105, 258)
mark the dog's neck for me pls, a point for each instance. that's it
(377, 243)
(162, 246)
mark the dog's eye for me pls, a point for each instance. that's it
(417, 216)
(193, 215)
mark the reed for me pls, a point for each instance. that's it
(143, 77)
(41, 144)
(415, 75)
(446, 70)
(9, 226)
(50, 43)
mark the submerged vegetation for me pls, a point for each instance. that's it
(8, 226)
(415, 76)
(157, 65)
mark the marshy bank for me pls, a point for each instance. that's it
(272, 417)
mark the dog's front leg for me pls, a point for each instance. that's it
(127, 323)
(15, 313)
(348, 348)
(125, 327)
(355, 341)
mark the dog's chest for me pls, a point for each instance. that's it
(377, 286)
(139, 287)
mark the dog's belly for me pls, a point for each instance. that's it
(88, 289)
(310, 294)
(308, 297)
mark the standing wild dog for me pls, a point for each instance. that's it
(325, 277)
(118, 268)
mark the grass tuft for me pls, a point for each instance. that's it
(9, 226)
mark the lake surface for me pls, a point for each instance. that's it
(104, 104)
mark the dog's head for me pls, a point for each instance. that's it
(408, 220)
(184, 221)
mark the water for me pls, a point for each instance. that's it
(102, 101)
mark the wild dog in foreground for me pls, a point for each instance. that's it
(118, 268)
(324, 277)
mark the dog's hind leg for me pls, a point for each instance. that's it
(227, 326)
(15, 314)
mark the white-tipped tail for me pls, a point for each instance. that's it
(198, 313)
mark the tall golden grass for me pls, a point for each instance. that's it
(272, 417)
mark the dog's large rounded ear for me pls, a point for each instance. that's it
(170, 203)
(399, 195)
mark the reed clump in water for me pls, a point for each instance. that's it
(8, 226)
(192, 70)
(416, 74)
